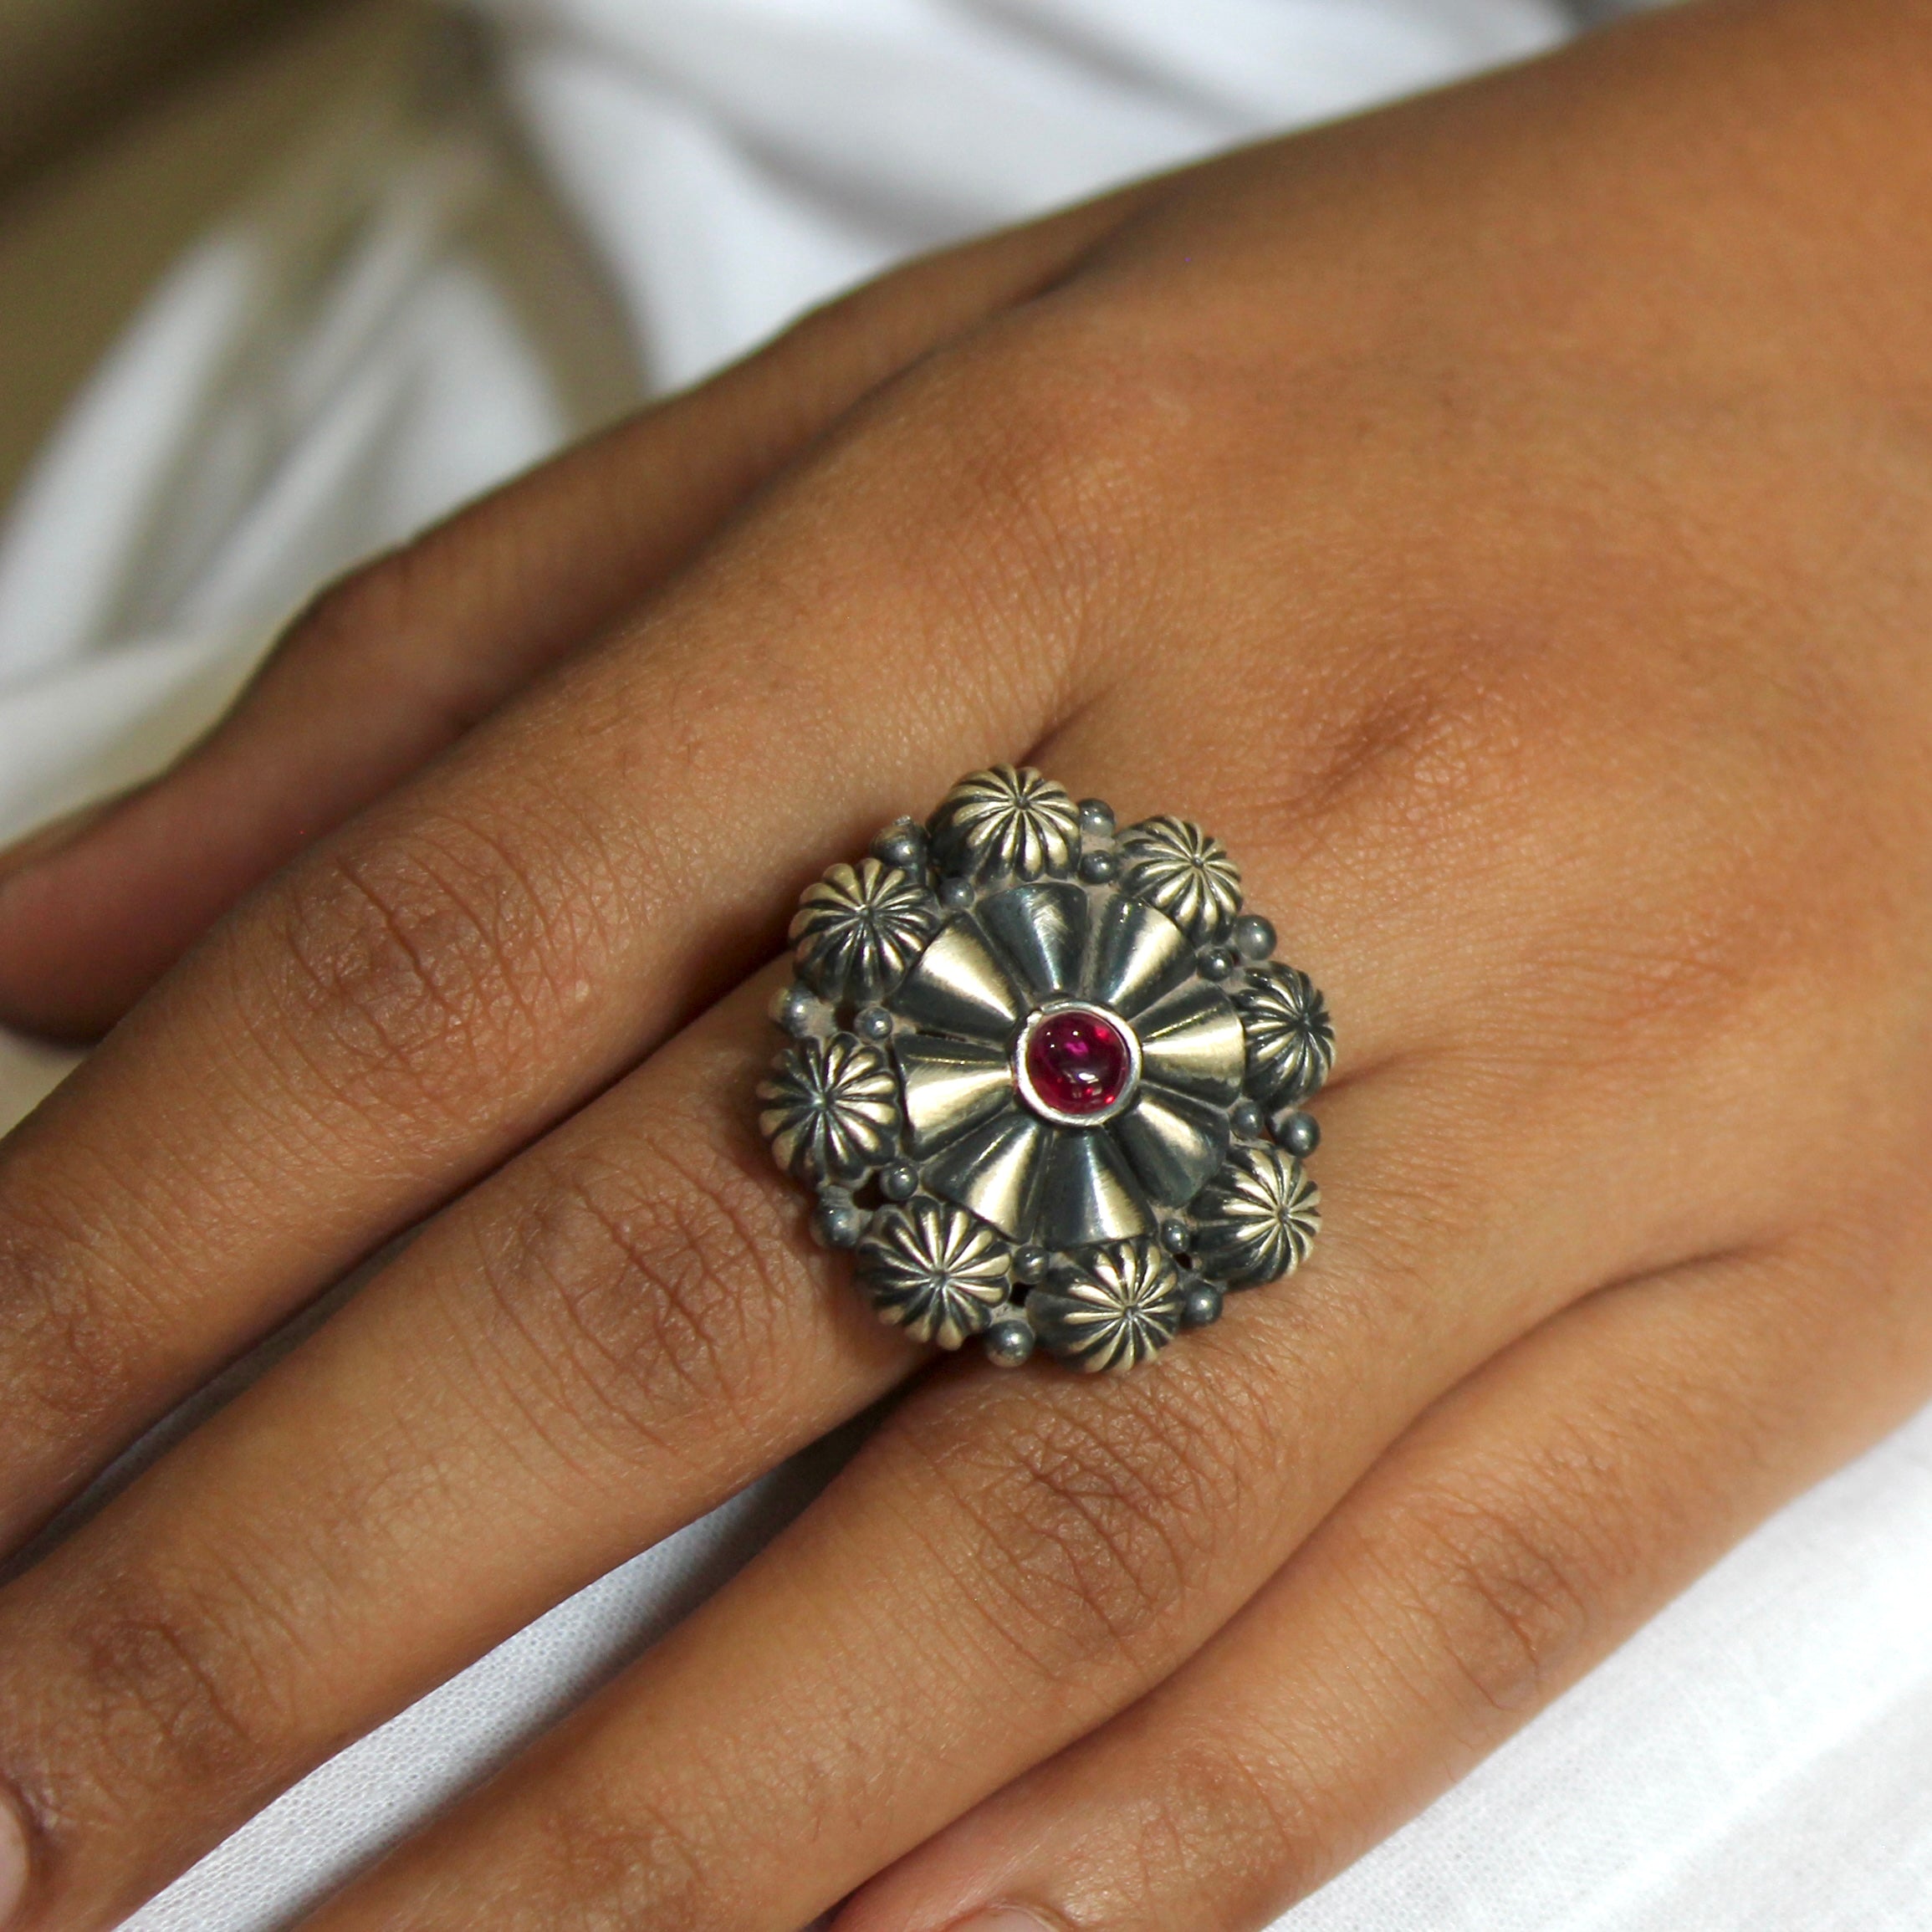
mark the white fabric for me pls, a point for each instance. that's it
(338, 366)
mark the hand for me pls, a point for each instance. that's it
(1504, 520)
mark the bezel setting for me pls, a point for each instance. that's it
(1028, 1090)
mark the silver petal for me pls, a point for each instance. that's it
(995, 1171)
(1173, 1143)
(1010, 822)
(1120, 1306)
(1257, 1218)
(960, 987)
(830, 1110)
(1088, 1193)
(934, 1271)
(1042, 929)
(1290, 1040)
(950, 1086)
(1193, 1041)
(1135, 955)
(859, 928)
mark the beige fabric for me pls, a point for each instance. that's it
(86, 237)
(64, 62)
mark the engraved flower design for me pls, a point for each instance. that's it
(859, 926)
(963, 1012)
(1006, 821)
(1290, 1040)
(1256, 1220)
(830, 1109)
(1119, 1306)
(934, 1271)
(1176, 865)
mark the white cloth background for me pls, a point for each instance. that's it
(339, 365)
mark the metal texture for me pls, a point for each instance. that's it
(978, 1209)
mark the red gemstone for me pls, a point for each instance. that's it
(1078, 1063)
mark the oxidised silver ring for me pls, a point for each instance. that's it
(1045, 1078)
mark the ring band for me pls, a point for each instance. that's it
(1045, 1078)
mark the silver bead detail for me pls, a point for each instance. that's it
(1290, 1040)
(1253, 938)
(859, 926)
(1174, 865)
(1201, 1305)
(1030, 1265)
(902, 845)
(837, 1222)
(1008, 1341)
(830, 1109)
(1096, 819)
(1119, 1306)
(934, 1271)
(1256, 1220)
(1007, 823)
(795, 1009)
(1301, 1133)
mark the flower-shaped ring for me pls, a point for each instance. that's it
(1045, 1078)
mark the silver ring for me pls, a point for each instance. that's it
(1046, 1077)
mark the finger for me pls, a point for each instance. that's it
(400, 660)
(618, 1331)
(1009, 1560)
(1517, 1533)
(471, 957)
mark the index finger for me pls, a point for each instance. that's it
(430, 986)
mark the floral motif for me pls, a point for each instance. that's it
(859, 928)
(1031, 1066)
(1257, 1218)
(935, 1271)
(1005, 822)
(1120, 1305)
(1290, 1040)
(830, 1110)
(1179, 867)
(982, 1143)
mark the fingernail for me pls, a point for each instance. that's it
(16, 1860)
(53, 837)
(1003, 1919)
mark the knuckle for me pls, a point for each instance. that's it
(1051, 491)
(1229, 1819)
(1085, 1527)
(158, 1684)
(1503, 1587)
(596, 1864)
(430, 958)
(651, 1287)
(74, 1337)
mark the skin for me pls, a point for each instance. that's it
(1504, 520)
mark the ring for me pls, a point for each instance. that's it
(1045, 1078)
